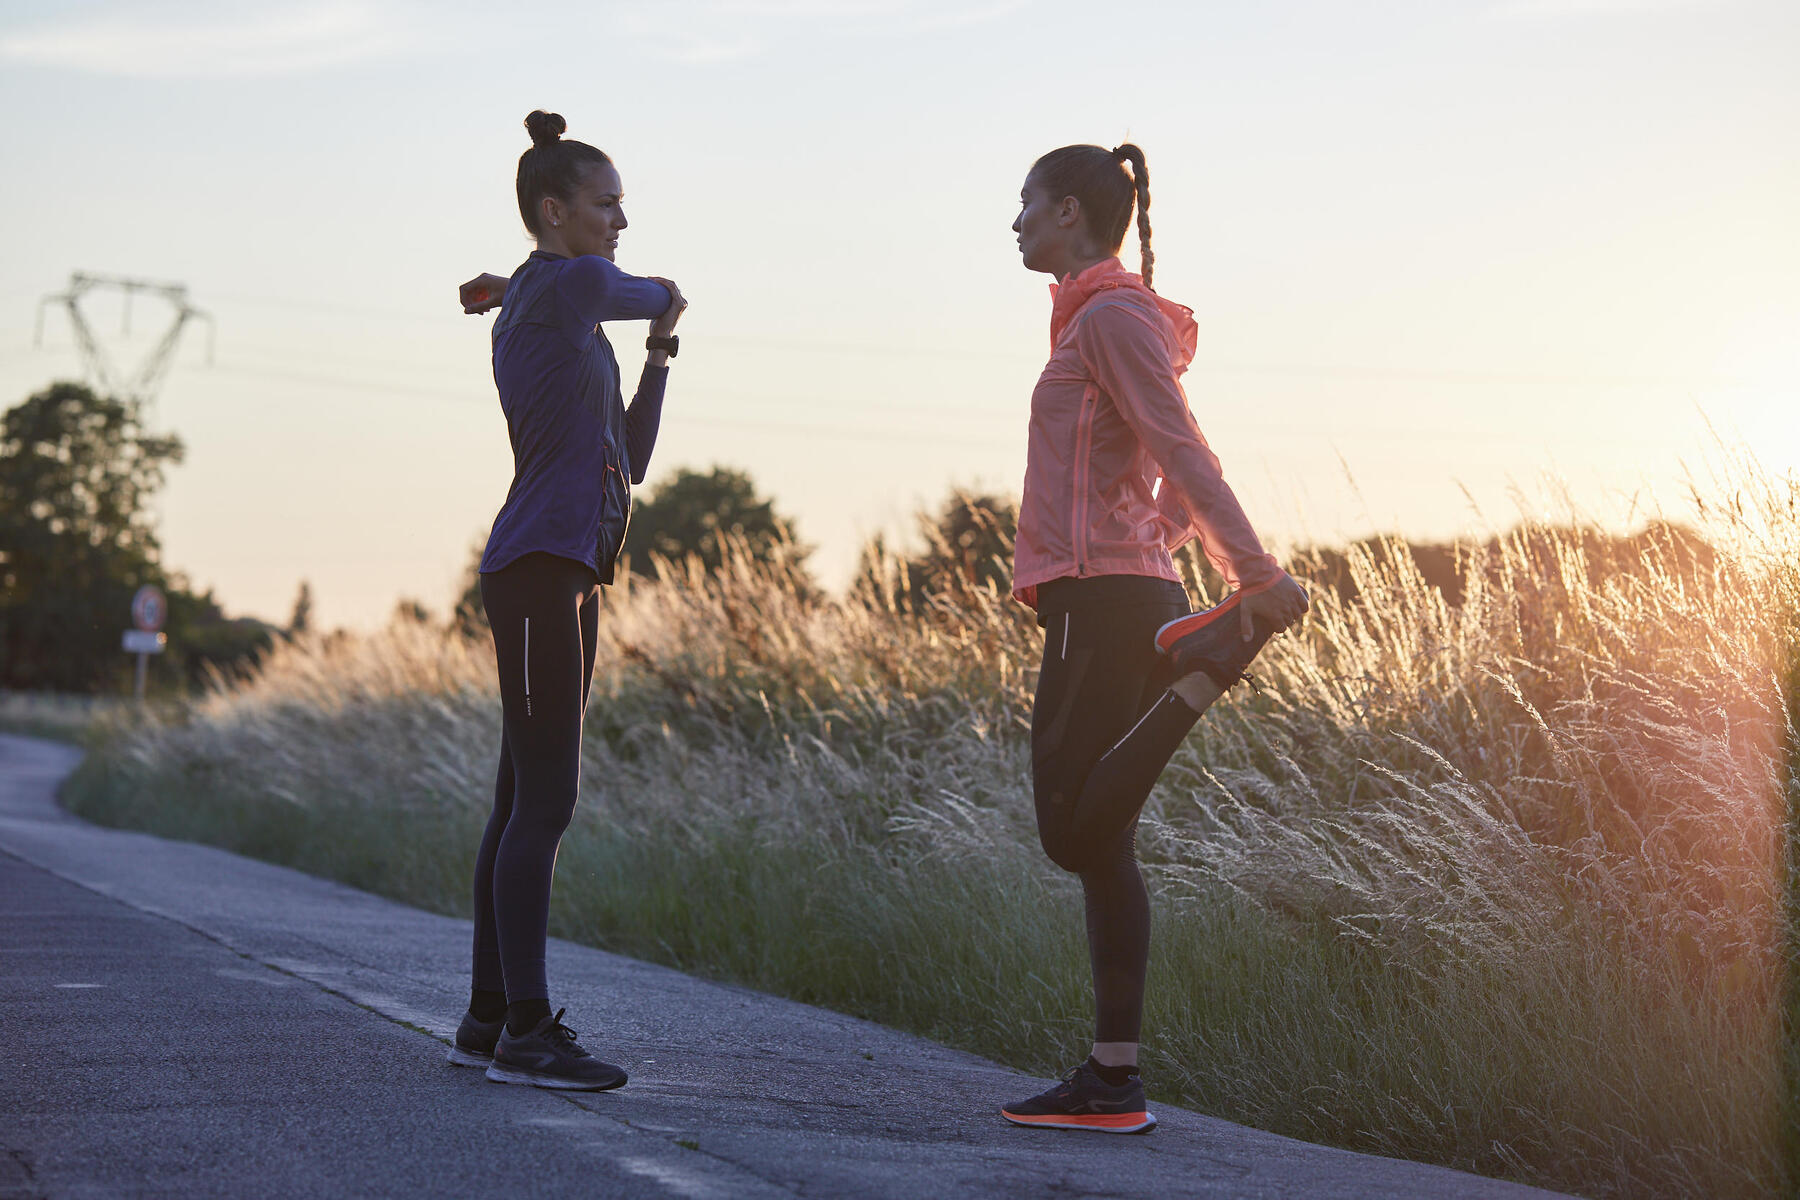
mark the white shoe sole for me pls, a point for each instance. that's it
(513, 1075)
(468, 1058)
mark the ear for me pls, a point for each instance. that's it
(550, 212)
(1068, 213)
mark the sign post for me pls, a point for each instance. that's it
(148, 610)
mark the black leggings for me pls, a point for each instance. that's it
(544, 611)
(1103, 727)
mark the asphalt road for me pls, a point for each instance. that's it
(180, 1021)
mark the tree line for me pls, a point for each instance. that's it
(77, 539)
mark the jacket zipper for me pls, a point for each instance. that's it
(1084, 441)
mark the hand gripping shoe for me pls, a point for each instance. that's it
(1212, 640)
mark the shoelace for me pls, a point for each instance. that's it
(558, 1032)
(1077, 1070)
(1069, 1077)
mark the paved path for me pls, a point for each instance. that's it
(180, 1021)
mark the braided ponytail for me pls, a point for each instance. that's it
(1099, 178)
(1140, 178)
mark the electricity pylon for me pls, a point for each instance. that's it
(108, 378)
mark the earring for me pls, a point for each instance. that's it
(558, 224)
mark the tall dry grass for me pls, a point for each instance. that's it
(1501, 885)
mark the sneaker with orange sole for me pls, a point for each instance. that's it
(1083, 1100)
(1212, 640)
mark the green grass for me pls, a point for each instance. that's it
(1503, 887)
(51, 715)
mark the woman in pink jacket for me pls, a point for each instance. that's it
(1117, 476)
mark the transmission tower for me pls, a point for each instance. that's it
(108, 377)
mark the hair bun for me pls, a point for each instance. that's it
(544, 127)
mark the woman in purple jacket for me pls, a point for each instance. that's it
(577, 447)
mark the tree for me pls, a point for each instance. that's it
(77, 474)
(968, 543)
(77, 471)
(409, 610)
(301, 620)
(204, 642)
(697, 513)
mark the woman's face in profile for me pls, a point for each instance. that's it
(595, 213)
(1040, 233)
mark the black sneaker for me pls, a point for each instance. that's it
(474, 1045)
(1083, 1100)
(548, 1057)
(1212, 640)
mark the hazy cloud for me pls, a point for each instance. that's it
(153, 42)
(214, 39)
(1529, 9)
(702, 31)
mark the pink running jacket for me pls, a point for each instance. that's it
(1117, 474)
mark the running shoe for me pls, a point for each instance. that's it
(1212, 640)
(549, 1057)
(474, 1045)
(1083, 1100)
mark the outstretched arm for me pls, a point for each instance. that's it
(599, 291)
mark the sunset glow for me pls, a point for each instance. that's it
(1436, 252)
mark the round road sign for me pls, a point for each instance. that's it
(148, 609)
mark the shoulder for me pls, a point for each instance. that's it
(589, 271)
(600, 286)
(1122, 317)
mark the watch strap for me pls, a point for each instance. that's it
(672, 344)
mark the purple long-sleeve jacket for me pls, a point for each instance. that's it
(576, 446)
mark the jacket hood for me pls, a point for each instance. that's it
(1072, 294)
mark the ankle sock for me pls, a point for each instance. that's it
(1112, 1076)
(523, 1016)
(487, 1006)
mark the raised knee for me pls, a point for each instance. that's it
(1063, 852)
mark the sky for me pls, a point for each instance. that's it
(1452, 260)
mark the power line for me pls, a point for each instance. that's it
(360, 385)
(925, 348)
(842, 433)
(333, 307)
(669, 417)
(686, 416)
